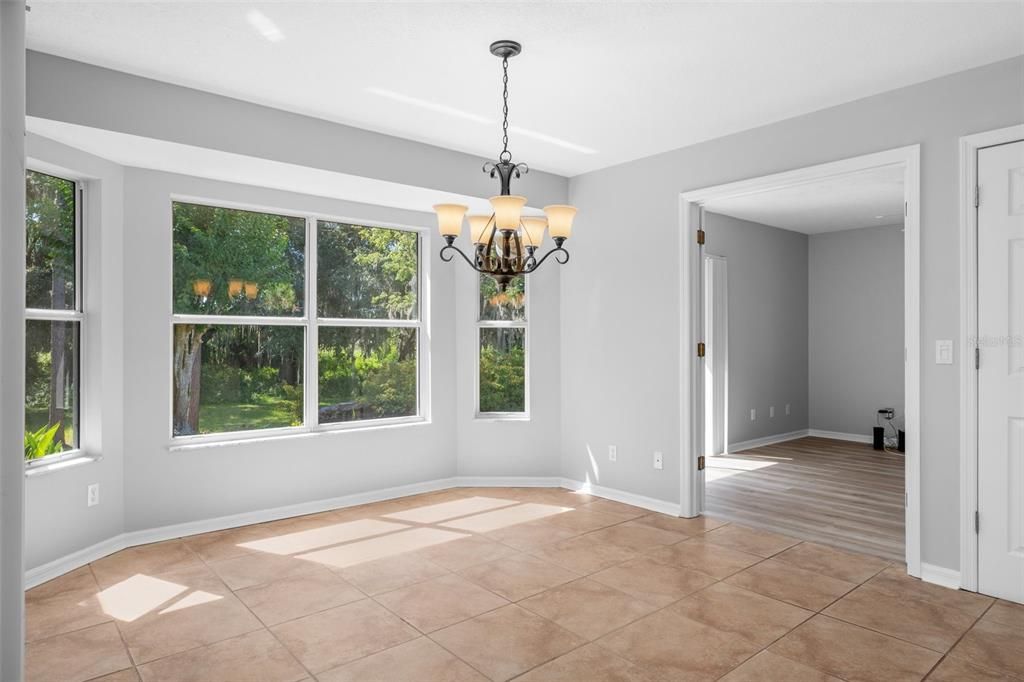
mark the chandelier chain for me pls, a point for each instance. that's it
(505, 155)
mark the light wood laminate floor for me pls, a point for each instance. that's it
(492, 584)
(836, 492)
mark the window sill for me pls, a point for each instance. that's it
(65, 460)
(242, 438)
(501, 417)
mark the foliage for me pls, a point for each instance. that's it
(221, 245)
(50, 347)
(502, 305)
(502, 371)
(49, 241)
(366, 272)
(42, 442)
(251, 376)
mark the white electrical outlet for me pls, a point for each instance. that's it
(753, 414)
(612, 453)
(93, 497)
(659, 462)
(787, 408)
(771, 412)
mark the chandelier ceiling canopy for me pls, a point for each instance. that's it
(505, 242)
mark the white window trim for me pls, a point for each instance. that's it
(310, 322)
(523, 324)
(36, 466)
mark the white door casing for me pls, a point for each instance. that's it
(716, 363)
(1001, 371)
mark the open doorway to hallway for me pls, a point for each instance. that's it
(804, 367)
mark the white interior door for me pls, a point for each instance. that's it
(716, 365)
(1001, 371)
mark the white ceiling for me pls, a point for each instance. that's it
(843, 202)
(598, 83)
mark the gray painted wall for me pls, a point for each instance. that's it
(620, 297)
(856, 327)
(64, 90)
(57, 519)
(767, 324)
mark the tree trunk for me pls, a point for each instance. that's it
(188, 349)
(58, 360)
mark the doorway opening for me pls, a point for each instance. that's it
(806, 303)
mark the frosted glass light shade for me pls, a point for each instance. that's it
(560, 220)
(478, 228)
(507, 209)
(449, 218)
(532, 233)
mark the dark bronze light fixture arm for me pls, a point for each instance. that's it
(504, 265)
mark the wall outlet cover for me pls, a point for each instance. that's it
(771, 412)
(787, 408)
(612, 453)
(659, 461)
(93, 495)
(753, 414)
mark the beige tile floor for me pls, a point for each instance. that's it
(533, 584)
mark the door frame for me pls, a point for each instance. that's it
(969, 146)
(721, 294)
(691, 379)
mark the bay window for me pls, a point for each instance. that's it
(290, 323)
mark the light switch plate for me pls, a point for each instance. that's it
(944, 352)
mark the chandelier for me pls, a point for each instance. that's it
(505, 242)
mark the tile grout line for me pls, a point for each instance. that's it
(959, 639)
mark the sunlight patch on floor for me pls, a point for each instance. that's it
(193, 599)
(722, 466)
(306, 540)
(136, 596)
(382, 547)
(510, 516)
(450, 510)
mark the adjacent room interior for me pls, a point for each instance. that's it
(416, 341)
(804, 308)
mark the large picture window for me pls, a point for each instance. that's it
(53, 325)
(501, 337)
(249, 352)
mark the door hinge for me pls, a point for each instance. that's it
(977, 358)
(700, 463)
(906, 209)
(701, 349)
(700, 237)
(977, 196)
(977, 522)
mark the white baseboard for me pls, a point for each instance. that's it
(508, 482)
(939, 575)
(838, 435)
(661, 506)
(52, 569)
(767, 440)
(66, 564)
